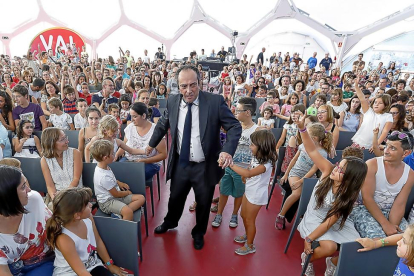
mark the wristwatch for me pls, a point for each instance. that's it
(307, 239)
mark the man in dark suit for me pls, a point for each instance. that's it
(196, 159)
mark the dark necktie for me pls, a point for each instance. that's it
(186, 141)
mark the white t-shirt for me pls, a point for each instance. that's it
(137, 141)
(363, 136)
(338, 109)
(36, 94)
(257, 186)
(243, 155)
(80, 122)
(29, 243)
(85, 248)
(266, 123)
(61, 121)
(103, 181)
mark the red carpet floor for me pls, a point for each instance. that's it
(172, 253)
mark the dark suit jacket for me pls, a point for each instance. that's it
(213, 114)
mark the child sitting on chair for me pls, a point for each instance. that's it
(114, 197)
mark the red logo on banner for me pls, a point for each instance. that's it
(54, 37)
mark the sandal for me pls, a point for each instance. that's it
(280, 222)
(214, 209)
(215, 200)
(193, 206)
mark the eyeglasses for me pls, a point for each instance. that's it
(269, 98)
(322, 112)
(63, 139)
(29, 127)
(402, 136)
(394, 113)
(192, 85)
(338, 168)
(237, 111)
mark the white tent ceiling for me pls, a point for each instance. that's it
(107, 24)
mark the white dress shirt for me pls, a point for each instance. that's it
(196, 151)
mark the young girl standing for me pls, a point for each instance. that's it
(87, 133)
(25, 143)
(263, 147)
(289, 128)
(326, 219)
(108, 130)
(375, 114)
(72, 233)
(266, 119)
(301, 167)
(227, 89)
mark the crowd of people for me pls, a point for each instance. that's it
(66, 90)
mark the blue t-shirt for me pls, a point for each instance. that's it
(409, 160)
(402, 269)
(326, 62)
(312, 62)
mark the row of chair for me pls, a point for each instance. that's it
(131, 173)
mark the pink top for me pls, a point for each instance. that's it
(288, 108)
(276, 108)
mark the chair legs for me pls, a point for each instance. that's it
(292, 232)
(271, 191)
(146, 218)
(140, 240)
(158, 183)
(150, 184)
(314, 245)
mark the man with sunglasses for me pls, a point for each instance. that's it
(386, 189)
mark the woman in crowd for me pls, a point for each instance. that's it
(299, 87)
(7, 81)
(351, 119)
(51, 91)
(398, 115)
(23, 215)
(147, 84)
(326, 118)
(6, 107)
(138, 135)
(337, 101)
(61, 165)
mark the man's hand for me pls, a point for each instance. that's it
(225, 160)
(148, 150)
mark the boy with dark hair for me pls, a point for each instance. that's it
(26, 110)
(231, 183)
(69, 98)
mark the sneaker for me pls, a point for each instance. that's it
(280, 222)
(241, 239)
(233, 221)
(217, 220)
(309, 270)
(330, 267)
(214, 209)
(113, 215)
(193, 206)
(245, 250)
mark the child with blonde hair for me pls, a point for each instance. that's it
(108, 130)
(114, 197)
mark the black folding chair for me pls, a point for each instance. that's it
(73, 137)
(109, 229)
(277, 172)
(33, 172)
(345, 139)
(380, 261)
(307, 188)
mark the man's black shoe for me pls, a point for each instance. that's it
(161, 229)
(198, 242)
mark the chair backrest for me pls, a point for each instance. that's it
(88, 172)
(259, 102)
(109, 229)
(409, 204)
(344, 139)
(123, 126)
(281, 123)
(277, 132)
(381, 261)
(38, 133)
(73, 136)
(33, 172)
(163, 103)
(368, 155)
(131, 173)
(279, 162)
(307, 188)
